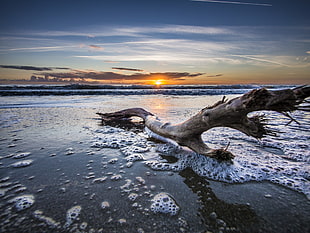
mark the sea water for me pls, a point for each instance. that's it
(284, 159)
(52, 148)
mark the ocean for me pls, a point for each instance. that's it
(80, 89)
(62, 171)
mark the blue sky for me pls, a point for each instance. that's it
(178, 41)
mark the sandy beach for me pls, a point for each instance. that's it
(60, 173)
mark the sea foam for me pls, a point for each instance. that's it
(164, 203)
(283, 161)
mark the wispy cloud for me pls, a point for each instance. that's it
(127, 69)
(111, 61)
(96, 47)
(92, 47)
(33, 68)
(41, 48)
(171, 29)
(129, 31)
(214, 75)
(234, 2)
(163, 50)
(261, 59)
(167, 45)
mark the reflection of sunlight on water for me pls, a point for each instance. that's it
(171, 108)
(157, 105)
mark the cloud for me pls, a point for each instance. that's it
(123, 31)
(127, 69)
(96, 47)
(61, 68)
(169, 45)
(112, 76)
(182, 51)
(171, 29)
(261, 59)
(111, 61)
(93, 47)
(233, 2)
(308, 52)
(42, 48)
(34, 68)
(177, 75)
(215, 75)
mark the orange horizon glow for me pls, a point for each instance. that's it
(242, 76)
(158, 82)
(167, 82)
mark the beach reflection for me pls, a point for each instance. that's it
(157, 104)
(216, 213)
(176, 109)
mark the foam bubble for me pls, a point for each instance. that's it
(134, 157)
(112, 161)
(116, 177)
(21, 155)
(23, 163)
(134, 149)
(113, 138)
(130, 144)
(140, 180)
(23, 202)
(72, 215)
(132, 196)
(164, 203)
(126, 186)
(100, 179)
(83, 225)
(70, 152)
(47, 220)
(105, 205)
(122, 221)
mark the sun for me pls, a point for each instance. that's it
(158, 82)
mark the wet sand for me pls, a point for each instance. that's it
(108, 194)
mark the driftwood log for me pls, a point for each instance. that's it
(232, 113)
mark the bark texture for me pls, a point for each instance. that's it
(232, 113)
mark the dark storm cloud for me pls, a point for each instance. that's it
(34, 68)
(127, 69)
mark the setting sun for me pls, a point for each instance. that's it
(158, 82)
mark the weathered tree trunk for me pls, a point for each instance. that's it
(233, 114)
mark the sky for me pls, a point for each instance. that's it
(155, 41)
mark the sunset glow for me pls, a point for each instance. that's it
(158, 82)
